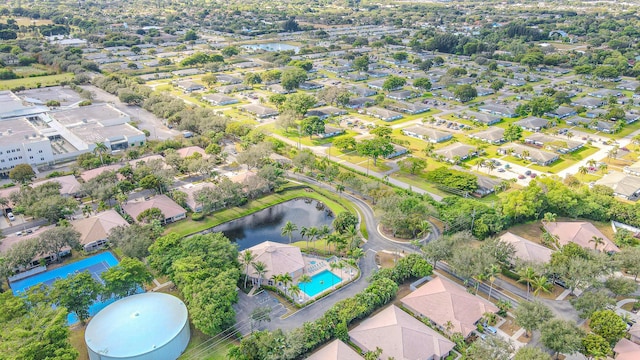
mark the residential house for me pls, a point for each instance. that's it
(486, 185)
(335, 350)
(484, 118)
(362, 91)
(326, 112)
(448, 305)
(310, 85)
(526, 250)
(355, 77)
(499, 110)
(191, 189)
(397, 151)
(331, 131)
(94, 230)
(189, 86)
(581, 233)
(634, 333)
(484, 91)
(278, 258)
(227, 79)
(626, 350)
(457, 152)
(12, 239)
(401, 95)
(359, 103)
(540, 157)
(623, 185)
(534, 124)
(562, 112)
(427, 134)
(589, 102)
(409, 108)
(170, 209)
(400, 336)
(629, 85)
(279, 89)
(514, 82)
(446, 94)
(384, 114)
(189, 151)
(219, 99)
(228, 89)
(187, 72)
(492, 135)
(377, 84)
(633, 169)
(260, 111)
(595, 113)
(69, 185)
(563, 146)
(87, 175)
(605, 93)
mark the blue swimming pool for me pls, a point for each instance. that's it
(319, 283)
(95, 265)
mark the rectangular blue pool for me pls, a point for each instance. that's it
(95, 265)
(319, 283)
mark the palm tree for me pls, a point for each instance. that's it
(286, 280)
(304, 279)
(603, 168)
(340, 189)
(592, 162)
(288, 229)
(353, 236)
(570, 134)
(356, 254)
(260, 268)
(324, 231)
(312, 233)
(525, 154)
(86, 210)
(276, 278)
(583, 170)
(480, 163)
(424, 227)
(246, 259)
(596, 241)
(333, 238)
(549, 217)
(550, 240)
(491, 166)
(100, 149)
(541, 283)
(304, 231)
(294, 290)
(492, 273)
(333, 265)
(526, 275)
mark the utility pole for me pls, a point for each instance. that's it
(473, 218)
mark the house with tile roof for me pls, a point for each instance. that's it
(170, 209)
(400, 336)
(448, 305)
(526, 250)
(278, 258)
(335, 350)
(581, 233)
(94, 230)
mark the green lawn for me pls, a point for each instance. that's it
(204, 347)
(32, 82)
(188, 226)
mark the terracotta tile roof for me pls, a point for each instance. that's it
(579, 232)
(442, 300)
(627, 350)
(527, 250)
(278, 258)
(335, 350)
(90, 174)
(97, 227)
(400, 336)
(69, 185)
(168, 207)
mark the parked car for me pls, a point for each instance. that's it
(11, 216)
(490, 330)
(521, 176)
(501, 170)
(528, 172)
(533, 175)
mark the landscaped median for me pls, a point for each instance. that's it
(288, 192)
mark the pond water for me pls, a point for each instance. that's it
(266, 225)
(272, 47)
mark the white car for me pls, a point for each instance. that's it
(11, 216)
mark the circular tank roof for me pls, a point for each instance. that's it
(136, 325)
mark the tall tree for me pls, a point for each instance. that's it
(288, 229)
(22, 173)
(260, 268)
(54, 240)
(609, 325)
(126, 278)
(76, 293)
(562, 336)
(246, 259)
(530, 315)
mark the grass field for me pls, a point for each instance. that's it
(32, 82)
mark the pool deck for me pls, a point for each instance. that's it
(314, 266)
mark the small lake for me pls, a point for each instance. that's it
(266, 225)
(272, 47)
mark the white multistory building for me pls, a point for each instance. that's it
(36, 135)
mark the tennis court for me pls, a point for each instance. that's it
(95, 265)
